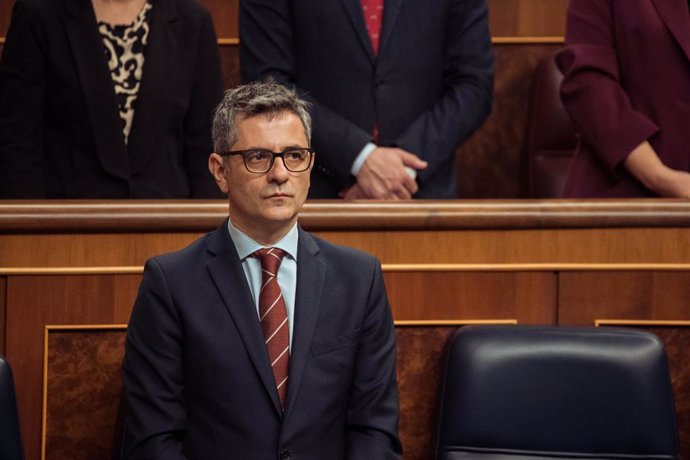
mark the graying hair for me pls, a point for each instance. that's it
(258, 98)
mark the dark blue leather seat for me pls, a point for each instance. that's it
(10, 439)
(527, 392)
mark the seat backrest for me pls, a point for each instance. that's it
(519, 392)
(10, 439)
(551, 138)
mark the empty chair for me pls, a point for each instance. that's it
(551, 138)
(514, 392)
(10, 439)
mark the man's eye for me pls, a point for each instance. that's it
(295, 155)
(258, 156)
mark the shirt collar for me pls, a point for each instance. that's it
(246, 246)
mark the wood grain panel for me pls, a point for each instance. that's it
(419, 365)
(33, 302)
(488, 163)
(225, 14)
(528, 297)
(230, 65)
(3, 313)
(83, 391)
(556, 246)
(527, 17)
(586, 297)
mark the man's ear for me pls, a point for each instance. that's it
(216, 165)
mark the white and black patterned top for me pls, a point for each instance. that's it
(124, 50)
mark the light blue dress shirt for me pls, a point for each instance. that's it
(287, 272)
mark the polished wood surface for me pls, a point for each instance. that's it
(533, 262)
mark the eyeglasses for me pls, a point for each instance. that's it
(259, 161)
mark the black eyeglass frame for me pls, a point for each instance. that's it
(280, 155)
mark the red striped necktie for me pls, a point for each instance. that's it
(273, 316)
(373, 14)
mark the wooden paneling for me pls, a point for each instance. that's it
(585, 296)
(125, 233)
(489, 163)
(528, 297)
(35, 301)
(3, 313)
(527, 18)
(550, 262)
(83, 393)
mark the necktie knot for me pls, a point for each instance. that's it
(270, 259)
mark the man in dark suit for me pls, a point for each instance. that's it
(61, 135)
(213, 369)
(394, 90)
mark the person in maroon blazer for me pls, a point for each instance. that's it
(626, 85)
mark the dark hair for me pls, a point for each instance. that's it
(258, 98)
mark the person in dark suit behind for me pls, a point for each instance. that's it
(212, 368)
(626, 85)
(394, 90)
(102, 99)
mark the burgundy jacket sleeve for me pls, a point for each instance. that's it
(593, 91)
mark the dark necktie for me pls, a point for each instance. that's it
(273, 316)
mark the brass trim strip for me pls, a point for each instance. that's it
(84, 327)
(390, 268)
(640, 322)
(501, 40)
(452, 322)
(11, 271)
(527, 40)
(514, 40)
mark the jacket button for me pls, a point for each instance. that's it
(284, 454)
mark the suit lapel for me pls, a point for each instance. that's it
(674, 13)
(229, 278)
(356, 15)
(311, 276)
(97, 86)
(162, 44)
(391, 9)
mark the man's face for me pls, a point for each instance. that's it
(264, 206)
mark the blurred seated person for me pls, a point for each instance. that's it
(395, 86)
(626, 85)
(108, 99)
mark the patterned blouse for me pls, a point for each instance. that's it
(124, 49)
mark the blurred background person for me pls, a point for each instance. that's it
(395, 86)
(626, 85)
(108, 99)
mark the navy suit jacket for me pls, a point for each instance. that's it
(60, 132)
(626, 79)
(428, 89)
(197, 377)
